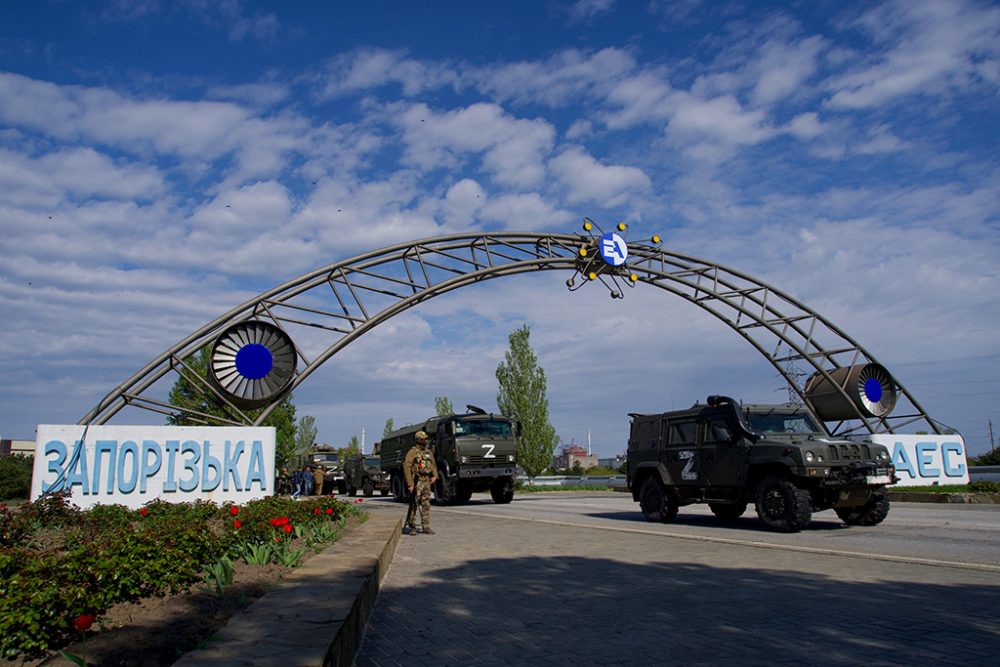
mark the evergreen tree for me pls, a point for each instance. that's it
(193, 398)
(522, 397)
(443, 406)
(388, 428)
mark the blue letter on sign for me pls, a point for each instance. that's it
(55, 467)
(956, 449)
(924, 459)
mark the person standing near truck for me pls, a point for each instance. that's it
(421, 473)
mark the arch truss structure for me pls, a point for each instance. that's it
(269, 345)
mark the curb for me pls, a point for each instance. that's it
(946, 498)
(317, 615)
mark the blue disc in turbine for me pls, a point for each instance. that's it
(252, 363)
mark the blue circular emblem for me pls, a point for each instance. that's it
(254, 361)
(613, 249)
(873, 390)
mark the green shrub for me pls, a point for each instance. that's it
(113, 554)
(15, 476)
(984, 486)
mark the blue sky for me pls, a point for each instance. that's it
(162, 162)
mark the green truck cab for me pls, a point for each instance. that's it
(778, 457)
(474, 452)
(365, 473)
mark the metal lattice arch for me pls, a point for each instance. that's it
(344, 300)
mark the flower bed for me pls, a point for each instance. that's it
(61, 568)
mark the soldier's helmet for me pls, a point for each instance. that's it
(420, 436)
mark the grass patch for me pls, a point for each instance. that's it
(575, 487)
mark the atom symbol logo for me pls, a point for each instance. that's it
(605, 258)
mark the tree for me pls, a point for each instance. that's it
(195, 401)
(388, 428)
(443, 406)
(522, 397)
(352, 449)
(305, 436)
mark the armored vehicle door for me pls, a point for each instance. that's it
(722, 451)
(681, 452)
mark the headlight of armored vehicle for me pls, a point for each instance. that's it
(510, 458)
(812, 457)
(465, 459)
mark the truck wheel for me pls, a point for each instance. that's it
(871, 513)
(444, 491)
(398, 492)
(351, 491)
(463, 493)
(728, 511)
(502, 491)
(782, 506)
(657, 504)
(384, 492)
(368, 488)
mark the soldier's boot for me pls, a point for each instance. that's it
(427, 530)
(413, 530)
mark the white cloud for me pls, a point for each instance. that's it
(585, 10)
(587, 180)
(370, 68)
(513, 149)
(927, 48)
(783, 68)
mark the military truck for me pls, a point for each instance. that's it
(333, 474)
(365, 473)
(779, 457)
(475, 451)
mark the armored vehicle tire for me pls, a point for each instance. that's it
(464, 493)
(502, 491)
(871, 513)
(384, 492)
(657, 503)
(782, 506)
(368, 488)
(351, 491)
(728, 511)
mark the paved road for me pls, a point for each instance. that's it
(568, 579)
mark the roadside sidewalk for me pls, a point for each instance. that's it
(317, 615)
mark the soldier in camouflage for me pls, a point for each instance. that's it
(421, 473)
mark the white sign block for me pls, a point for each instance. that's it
(926, 460)
(132, 465)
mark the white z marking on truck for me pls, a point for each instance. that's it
(688, 472)
(489, 452)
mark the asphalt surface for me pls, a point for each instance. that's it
(578, 579)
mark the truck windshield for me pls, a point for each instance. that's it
(490, 428)
(776, 422)
(372, 461)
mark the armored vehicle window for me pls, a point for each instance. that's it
(683, 433)
(645, 432)
(372, 461)
(717, 431)
(490, 428)
(789, 422)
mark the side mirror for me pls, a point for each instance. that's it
(518, 429)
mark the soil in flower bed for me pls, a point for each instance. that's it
(157, 631)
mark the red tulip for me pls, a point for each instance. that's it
(84, 621)
(237, 523)
(329, 510)
(288, 527)
(315, 510)
(234, 510)
(143, 511)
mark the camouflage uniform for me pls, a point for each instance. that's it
(421, 473)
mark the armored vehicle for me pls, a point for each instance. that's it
(365, 473)
(475, 451)
(780, 458)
